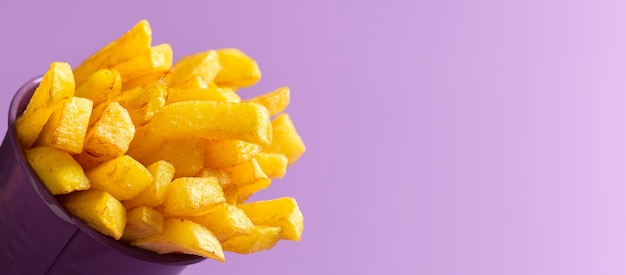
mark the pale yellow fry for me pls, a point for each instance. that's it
(143, 102)
(186, 154)
(56, 87)
(98, 209)
(154, 195)
(249, 178)
(275, 101)
(178, 94)
(226, 222)
(108, 137)
(273, 164)
(130, 44)
(283, 212)
(192, 196)
(238, 69)
(130, 83)
(101, 86)
(222, 153)
(286, 139)
(67, 127)
(260, 238)
(224, 177)
(183, 236)
(208, 119)
(203, 65)
(58, 171)
(142, 222)
(122, 177)
(155, 59)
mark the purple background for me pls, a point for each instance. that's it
(444, 137)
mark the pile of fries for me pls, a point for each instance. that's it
(162, 156)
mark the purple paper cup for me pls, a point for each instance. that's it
(37, 235)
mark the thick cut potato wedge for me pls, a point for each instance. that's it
(131, 83)
(214, 93)
(223, 177)
(183, 236)
(122, 177)
(203, 65)
(238, 69)
(282, 212)
(192, 196)
(208, 119)
(231, 193)
(274, 165)
(223, 153)
(260, 238)
(157, 59)
(142, 222)
(102, 86)
(143, 102)
(285, 139)
(249, 178)
(226, 222)
(196, 82)
(98, 209)
(275, 101)
(184, 153)
(58, 171)
(108, 137)
(56, 88)
(129, 45)
(154, 195)
(67, 127)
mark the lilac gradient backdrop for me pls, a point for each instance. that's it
(444, 137)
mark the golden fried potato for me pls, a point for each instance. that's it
(285, 139)
(122, 177)
(214, 93)
(224, 177)
(183, 236)
(226, 222)
(275, 101)
(154, 195)
(274, 165)
(208, 119)
(108, 137)
(58, 171)
(56, 88)
(186, 154)
(129, 45)
(157, 59)
(260, 238)
(142, 222)
(282, 212)
(102, 86)
(143, 102)
(203, 66)
(223, 153)
(249, 178)
(196, 82)
(67, 127)
(231, 193)
(131, 83)
(192, 196)
(238, 69)
(98, 209)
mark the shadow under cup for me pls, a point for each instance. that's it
(37, 236)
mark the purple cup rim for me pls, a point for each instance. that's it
(17, 106)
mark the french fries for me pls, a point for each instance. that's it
(165, 157)
(56, 87)
(99, 209)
